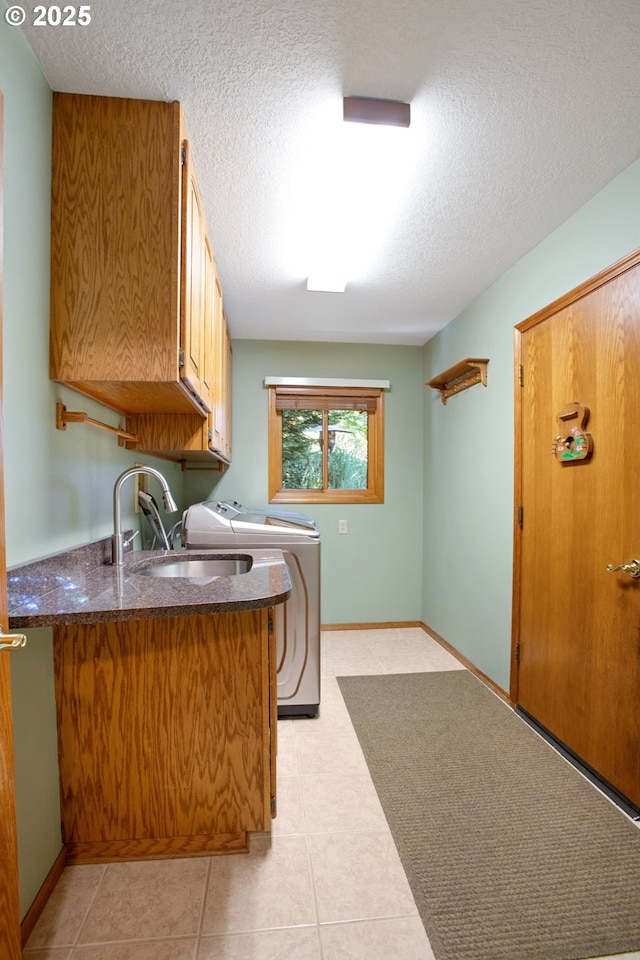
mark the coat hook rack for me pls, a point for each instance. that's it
(64, 416)
(459, 377)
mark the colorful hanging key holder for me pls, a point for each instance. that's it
(573, 443)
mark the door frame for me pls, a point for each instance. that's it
(584, 289)
(10, 934)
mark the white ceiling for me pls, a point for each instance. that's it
(521, 111)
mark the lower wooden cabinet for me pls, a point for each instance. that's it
(167, 735)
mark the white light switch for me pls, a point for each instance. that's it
(342, 526)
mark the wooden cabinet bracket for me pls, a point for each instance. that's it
(64, 416)
(460, 377)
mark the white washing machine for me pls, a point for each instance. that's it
(230, 525)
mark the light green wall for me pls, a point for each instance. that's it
(58, 485)
(373, 573)
(468, 451)
(36, 749)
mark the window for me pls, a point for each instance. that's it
(326, 444)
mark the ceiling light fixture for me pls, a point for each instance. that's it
(387, 113)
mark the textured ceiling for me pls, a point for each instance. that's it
(521, 111)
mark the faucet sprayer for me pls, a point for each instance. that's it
(169, 502)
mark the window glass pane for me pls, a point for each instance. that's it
(302, 449)
(348, 449)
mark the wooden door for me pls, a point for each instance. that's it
(10, 948)
(578, 625)
(9, 894)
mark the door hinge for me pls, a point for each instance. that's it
(520, 515)
(520, 375)
(273, 806)
(516, 653)
(181, 358)
(183, 154)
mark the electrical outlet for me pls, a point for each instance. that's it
(141, 482)
(342, 526)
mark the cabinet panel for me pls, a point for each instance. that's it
(196, 319)
(219, 391)
(114, 276)
(173, 436)
(117, 308)
(222, 390)
(164, 732)
(227, 354)
(208, 319)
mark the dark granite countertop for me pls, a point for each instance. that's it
(81, 586)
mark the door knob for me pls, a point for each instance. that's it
(11, 641)
(632, 568)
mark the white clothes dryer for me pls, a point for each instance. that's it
(230, 525)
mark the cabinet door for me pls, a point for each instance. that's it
(221, 430)
(175, 436)
(165, 733)
(194, 317)
(228, 358)
(219, 399)
(115, 235)
(208, 319)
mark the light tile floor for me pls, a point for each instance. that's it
(328, 884)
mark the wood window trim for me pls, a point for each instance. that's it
(375, 458)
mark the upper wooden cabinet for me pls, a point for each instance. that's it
(189, 437)
(131, 319)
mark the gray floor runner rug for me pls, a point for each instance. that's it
(510, 853)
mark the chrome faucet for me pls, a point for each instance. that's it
(169, 502)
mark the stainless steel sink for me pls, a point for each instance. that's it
(198, 567)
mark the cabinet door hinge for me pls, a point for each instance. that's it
(520, 515)
(183, 154)
(181, 358)
(273, 806)
(520, 375)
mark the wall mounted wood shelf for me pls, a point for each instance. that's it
(459, 377)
